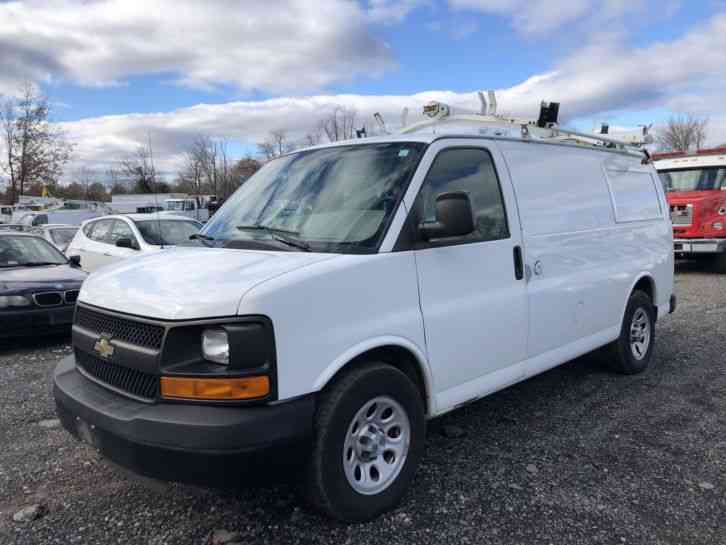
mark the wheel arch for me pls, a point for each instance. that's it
(398, 352)
(646, 283)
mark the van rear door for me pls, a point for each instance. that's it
(473, 294)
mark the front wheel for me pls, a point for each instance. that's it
(631, 352)
(369, 437)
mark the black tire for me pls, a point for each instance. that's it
(718, 262)
(621, 356)
(325, 485)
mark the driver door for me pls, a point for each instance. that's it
(472, 288)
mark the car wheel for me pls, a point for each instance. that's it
(370, 431)
(632, 351)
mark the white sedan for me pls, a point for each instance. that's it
(101, 241)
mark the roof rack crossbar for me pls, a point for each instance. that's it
(438, 112)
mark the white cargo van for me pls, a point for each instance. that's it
(348, 293)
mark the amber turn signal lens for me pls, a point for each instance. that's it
(210, 389)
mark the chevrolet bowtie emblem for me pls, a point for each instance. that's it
(104, 348)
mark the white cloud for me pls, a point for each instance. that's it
(601, 78)
(279, 46)
(389, 12)
(537, 17)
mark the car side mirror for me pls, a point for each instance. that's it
(74, 260)
(454, 217)
(126, 243)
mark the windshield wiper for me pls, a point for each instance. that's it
(266, 228)
(40, 264)
(294, 242)
(279, 235)
(200, 236)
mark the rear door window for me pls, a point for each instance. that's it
(635, 197)
(121, 230)
(102, 231)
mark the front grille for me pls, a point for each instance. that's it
(131, 381)
(48, 299)
(130, 331)
(682, 214)
(71, 296)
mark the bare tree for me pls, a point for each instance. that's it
(138, 169)
(339, 124)
(683, 133)
(207, 167)
(275, 144)
(35, 150)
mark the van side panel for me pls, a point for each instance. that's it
(582, 264)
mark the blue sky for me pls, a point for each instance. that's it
(118, 70)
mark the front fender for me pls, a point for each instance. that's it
(379, 342)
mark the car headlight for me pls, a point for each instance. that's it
(718, 226)
(215, 345)
(14, 301)
(722, 211)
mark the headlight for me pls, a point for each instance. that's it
(215, 345)
(722, 211)
(718, 226)
(14, 301)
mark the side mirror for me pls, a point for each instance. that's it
(126, 243)
(74, 260)
(454, 217)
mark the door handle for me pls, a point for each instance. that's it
(518, 263)
(107, 254)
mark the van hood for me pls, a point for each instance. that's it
(188, 283)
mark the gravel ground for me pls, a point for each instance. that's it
(577, 455)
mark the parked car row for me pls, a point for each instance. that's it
(43, 267)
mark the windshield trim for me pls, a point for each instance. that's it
(354, 248)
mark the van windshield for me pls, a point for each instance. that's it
(694, 179)
(338, 199)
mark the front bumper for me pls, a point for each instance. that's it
(35, 321)
(174, 441)
(699, 245)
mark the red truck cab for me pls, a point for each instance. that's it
(695, 185)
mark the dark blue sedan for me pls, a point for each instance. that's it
(38, 286)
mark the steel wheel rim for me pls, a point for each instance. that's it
(640, 334)
(376, 445)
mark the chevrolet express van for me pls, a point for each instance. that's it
(348, 293)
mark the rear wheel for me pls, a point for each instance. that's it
(369, 437)
(632, 351)
(719, 262)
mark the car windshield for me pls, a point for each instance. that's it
(337, 199)
(167, 232)
(25, 250)
(694, 179)
(63, 237)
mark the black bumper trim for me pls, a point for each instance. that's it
(94, 413)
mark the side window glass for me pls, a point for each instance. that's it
(470, 170)
(88, 229)
(121, 230)
(102, 230)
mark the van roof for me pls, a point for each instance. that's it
(505, 133)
